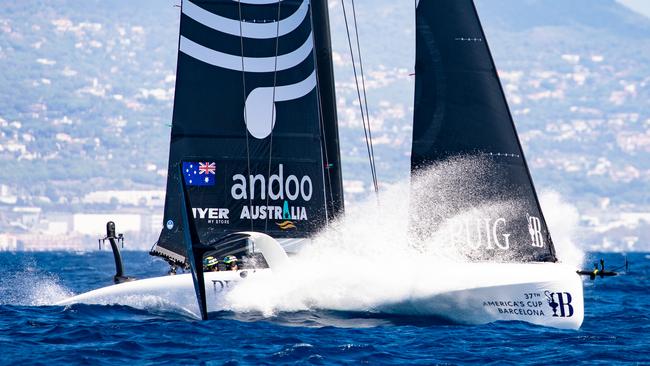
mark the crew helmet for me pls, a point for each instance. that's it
(210, 261)
(230, 259)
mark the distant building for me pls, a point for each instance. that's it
(8, 242)
(27, 216)
(132, 198)
(95, 224)
(56, 228)
(6, 197)
(40, 242)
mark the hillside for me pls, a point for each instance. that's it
(87, 94)
(604, 15)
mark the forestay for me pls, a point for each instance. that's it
(254, 124)
(461, 114)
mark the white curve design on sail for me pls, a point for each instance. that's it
(251, 64)
(247, 30)
(259, 104)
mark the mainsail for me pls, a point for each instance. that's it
(461, 115)
(254, 128)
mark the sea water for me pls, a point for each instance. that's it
(33, 332)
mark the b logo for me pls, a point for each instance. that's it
(535, 231)
(562, 305)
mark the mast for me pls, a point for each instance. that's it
(461, 115)
(331, 148)
(249, 137)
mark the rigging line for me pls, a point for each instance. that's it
(321, 121)
(327, 168)
(621, 267)
(275, 80)
(243, 75)
(363, 119)
(324, 153)
(365, 96)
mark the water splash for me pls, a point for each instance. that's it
(369, 258)
(563, 219)
(32, 287)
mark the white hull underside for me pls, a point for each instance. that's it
(546, 294)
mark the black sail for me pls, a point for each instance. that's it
(250, 164)
(463, 127)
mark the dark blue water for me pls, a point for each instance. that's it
(616, 327)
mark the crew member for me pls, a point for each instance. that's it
(231, 263)
(210, 264)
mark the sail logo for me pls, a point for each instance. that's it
(216, 216)
(289, 214)
(259, 108)
(560, 304)
(491, 234)
(286, 225)
(285, 213)
(535, 231)
(200, 173)
(277, 187)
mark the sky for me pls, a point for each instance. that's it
(641, 6)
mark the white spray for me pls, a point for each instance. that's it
(563, 220)
(368, 259)
(31, 287)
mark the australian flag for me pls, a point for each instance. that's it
(199, 174)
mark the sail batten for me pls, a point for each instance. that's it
(461, 117)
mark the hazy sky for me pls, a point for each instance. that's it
(642, 6)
